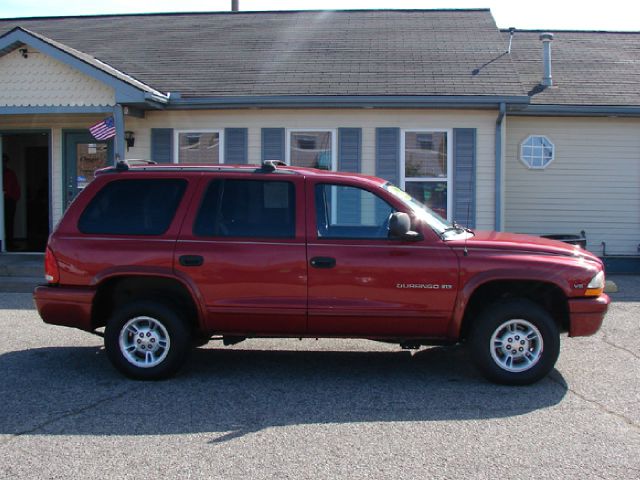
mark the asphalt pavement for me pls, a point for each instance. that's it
(316, 409)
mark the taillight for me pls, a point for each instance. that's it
(51, 272)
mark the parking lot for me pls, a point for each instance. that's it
(316, 409)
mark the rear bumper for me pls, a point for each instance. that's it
(586, 315)
(69, 307)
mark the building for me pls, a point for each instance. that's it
(440, 102)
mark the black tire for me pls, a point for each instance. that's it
(526, 343)
(159, 346)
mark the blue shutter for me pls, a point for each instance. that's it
(349, 149)
(388, 154)
(464, 176)
(387, 161)
(162, 145)
(273, 144)
(349, 159)
(236, 145)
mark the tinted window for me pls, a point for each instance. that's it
(133, 207)
(350, 212)
(247, 208)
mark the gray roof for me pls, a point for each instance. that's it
(588, 68)
(360, 53)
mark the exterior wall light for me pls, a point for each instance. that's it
(130, 139)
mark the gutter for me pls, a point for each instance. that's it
(498, 166)
(347, 101)
(576, 111)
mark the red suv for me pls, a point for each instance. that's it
(167, 257)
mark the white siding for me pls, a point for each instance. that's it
(40, 80)
(368, 120)
(592, 185)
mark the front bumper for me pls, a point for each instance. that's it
(69, 307)
(586, 315)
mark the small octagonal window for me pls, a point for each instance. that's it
(537, 151)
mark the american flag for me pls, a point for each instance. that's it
(103, 130)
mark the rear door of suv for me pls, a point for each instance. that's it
(242, 247)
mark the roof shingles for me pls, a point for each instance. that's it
(418, 52)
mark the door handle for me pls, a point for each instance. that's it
(323, 262)
(191, 260)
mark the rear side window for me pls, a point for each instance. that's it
(247, 208)
(133, 207)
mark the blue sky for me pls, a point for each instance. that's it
(537, 14)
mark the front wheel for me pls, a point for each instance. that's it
(515, 342)
(146, 340)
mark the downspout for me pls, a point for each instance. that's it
(3, 246)
(498, 180)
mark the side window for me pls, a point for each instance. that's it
(350, 212)
(247, 208)
(133, 207)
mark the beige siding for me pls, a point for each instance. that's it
(593, 184)
(368, 120)
(40, 80)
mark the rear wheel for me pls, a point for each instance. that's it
(147, 340)
(515, 342)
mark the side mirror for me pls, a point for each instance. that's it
(400, 227)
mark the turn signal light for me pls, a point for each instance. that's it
(596, 286)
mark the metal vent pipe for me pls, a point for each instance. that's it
(546, 39)
(234, 5)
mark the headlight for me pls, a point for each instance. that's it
(596, 285)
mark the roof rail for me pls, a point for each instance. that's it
(123, 165)
(271, 165)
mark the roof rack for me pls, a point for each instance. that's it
(123, 165)
(271, 165)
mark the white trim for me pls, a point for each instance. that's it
(553, 152)
(176, 141)
(449, 178)
(334, 152)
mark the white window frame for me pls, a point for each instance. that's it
(527, 164)
(334, 153)
(176, 141)
(448, 179)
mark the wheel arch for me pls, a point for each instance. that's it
(546, 294)
(117, 290)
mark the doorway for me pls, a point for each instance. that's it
(26, 181)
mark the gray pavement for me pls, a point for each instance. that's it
(316, 409)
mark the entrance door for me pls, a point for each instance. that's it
(26, 190)
(83, 156)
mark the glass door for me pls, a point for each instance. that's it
(83, 156)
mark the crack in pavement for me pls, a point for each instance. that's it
(600, 406)
(72, 413)
(609, 342)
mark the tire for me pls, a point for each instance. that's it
(147, 340)
(514, 342)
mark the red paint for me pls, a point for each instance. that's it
(394, 289)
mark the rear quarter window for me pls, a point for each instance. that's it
(133, 207)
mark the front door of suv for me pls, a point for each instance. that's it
(243, 249)
(361, 283)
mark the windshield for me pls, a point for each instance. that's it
(424, 213)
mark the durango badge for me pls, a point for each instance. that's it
(426, 286)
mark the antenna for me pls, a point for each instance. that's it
(466, 231)
(512, 31)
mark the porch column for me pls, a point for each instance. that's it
(119, 142)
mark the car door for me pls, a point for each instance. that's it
(243, 249)
(361, 283)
